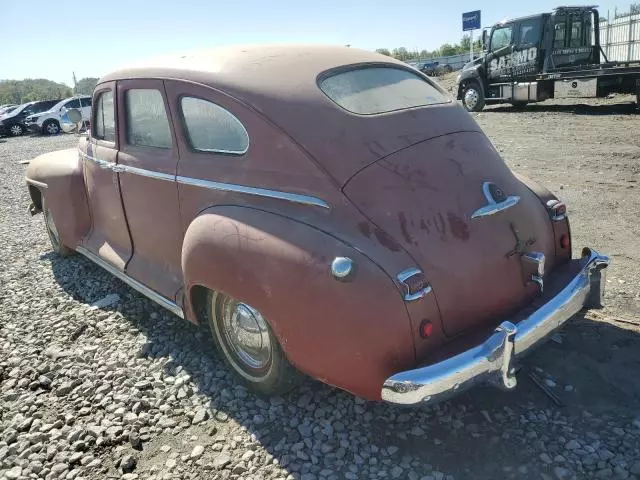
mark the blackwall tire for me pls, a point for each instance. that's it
(52, 231)
(51, 127)
(473, 96)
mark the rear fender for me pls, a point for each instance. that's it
(58, 178)
(352, 333)
(561, 227)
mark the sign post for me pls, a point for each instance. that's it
(471, 22)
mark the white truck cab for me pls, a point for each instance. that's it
(49, 122)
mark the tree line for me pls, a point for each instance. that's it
(31, 89)
(445, 50)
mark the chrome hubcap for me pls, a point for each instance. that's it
(52, 128)
(245, 332)
(16, 129)
(471, 98)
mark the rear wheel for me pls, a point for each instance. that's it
(51, 127)
(473, 96)
(249, 346)
(16, 130)
(52, 231)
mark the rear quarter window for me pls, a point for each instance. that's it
(373, 90)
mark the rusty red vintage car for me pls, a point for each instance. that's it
(326, 210)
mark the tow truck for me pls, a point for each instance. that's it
(543, 56)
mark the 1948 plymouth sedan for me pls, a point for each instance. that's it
(326, 210)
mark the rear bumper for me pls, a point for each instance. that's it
(493, 360)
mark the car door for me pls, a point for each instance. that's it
(526, 56)
(85, 103)
(147, 164)
(109, 235)
(500, 52)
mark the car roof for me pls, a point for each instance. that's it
(263, 69)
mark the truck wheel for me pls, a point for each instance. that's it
(249, 346)
(51, 127)
(52, 230)
(473, 96)
(16, 130)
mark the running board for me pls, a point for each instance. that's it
(136, 285)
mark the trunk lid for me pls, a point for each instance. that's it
(425, 195)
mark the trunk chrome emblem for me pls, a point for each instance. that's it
(496, 201)
(536, 258)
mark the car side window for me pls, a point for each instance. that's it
(86, 102)
(146, 117)
(529, 32)
(212, 128)
(501, 38)
(75, 103)
(104, 120)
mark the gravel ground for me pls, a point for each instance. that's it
(130, 391)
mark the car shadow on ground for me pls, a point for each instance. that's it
(578, 109)
(591, 370)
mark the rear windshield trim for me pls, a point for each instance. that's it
(362, 66)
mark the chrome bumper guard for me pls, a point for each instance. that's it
(493, 360)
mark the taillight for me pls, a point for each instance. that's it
(415, 284)
(557, 210)
(426, 328)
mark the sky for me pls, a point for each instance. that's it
(53, 39)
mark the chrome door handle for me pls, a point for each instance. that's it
(493, 208)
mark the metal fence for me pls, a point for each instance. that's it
(456, 62)
(620, 38)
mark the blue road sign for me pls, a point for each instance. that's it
(471, 21)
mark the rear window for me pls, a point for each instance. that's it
(372, 90)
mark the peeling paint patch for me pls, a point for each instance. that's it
(403, 228)
(386, 241)
(459, 228)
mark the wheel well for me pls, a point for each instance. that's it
(36, 196)
(198, 296)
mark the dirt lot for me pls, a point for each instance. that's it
(81, 387)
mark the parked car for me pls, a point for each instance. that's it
(7, 108)
(13, 123)
(49, 122)
(429, 67)
(346, 219)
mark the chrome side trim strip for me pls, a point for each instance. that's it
(225, 187)
(36, 183)
(136, 285)
(143, 173)
(260, 192)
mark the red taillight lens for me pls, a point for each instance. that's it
(565, 241)
(426, 328)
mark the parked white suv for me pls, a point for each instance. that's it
(49, 122)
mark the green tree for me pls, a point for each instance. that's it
(384, 51)
(22, 91)
(447, 50)
(85, 86)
